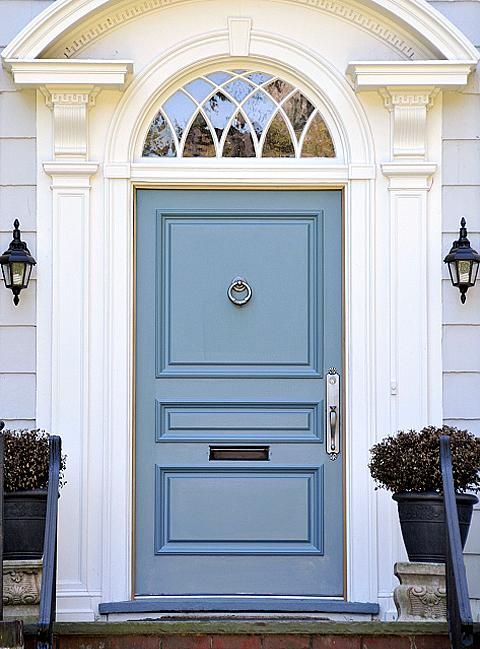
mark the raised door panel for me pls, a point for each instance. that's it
(200, 333)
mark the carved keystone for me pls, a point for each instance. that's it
(422, 594)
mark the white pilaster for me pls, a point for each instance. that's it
(70, 268)
(410, 383)
(70, 393)
(71, 313)
(413, 309)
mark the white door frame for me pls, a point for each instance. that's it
(353, 169)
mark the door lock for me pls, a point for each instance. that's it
(332, 419)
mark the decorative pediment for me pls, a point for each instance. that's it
(411, 29)
(380, 27)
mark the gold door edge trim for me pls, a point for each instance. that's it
(246, 187)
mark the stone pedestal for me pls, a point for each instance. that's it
(21, 589)
(422, 593)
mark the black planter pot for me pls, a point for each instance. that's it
(24, 524)
(422, 519)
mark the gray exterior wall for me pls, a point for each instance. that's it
(461, 195)
(17, 200)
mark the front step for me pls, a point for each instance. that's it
(293, 633)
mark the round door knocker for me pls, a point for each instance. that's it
(239, 285)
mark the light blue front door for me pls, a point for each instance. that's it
(235, 490)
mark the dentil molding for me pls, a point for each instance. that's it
(380, 27)
(411, 28)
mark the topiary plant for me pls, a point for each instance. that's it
(26, 460)
(410, 460)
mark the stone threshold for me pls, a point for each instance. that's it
(238, 625)
(238, 604)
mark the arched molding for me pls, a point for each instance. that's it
(388, 20)
(405, 44)
(315, 76)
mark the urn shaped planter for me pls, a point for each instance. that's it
(422, 519)
(24, 524)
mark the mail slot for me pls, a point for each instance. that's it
(239, 453)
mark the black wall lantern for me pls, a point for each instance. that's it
(463, 262)
(17, 264)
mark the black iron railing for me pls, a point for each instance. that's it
(48, 593)
(460, 622)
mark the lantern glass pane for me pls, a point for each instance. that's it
(452, 267)
(474, 272)
(7, 278)
(464, 269)
(28, 272)
(18, 272)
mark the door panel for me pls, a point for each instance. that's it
(210, 372)
(286, 302)
(233, 510)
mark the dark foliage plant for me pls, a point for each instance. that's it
(26, 460)
(409, 460)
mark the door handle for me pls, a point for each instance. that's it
(332, 423)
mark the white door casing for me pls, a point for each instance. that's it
(388, 145)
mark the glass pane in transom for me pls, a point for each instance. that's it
(238, 113)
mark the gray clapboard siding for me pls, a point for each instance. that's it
(461, 196)
(17, 161)
(17, 345)
(461, 160)
(465, 424)
(17, 200)
(17, 395)
(15, 14)
(468, 128)
(454, 337)
(465, 198)
(465, 14)
(19, 104)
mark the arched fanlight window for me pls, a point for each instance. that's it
(238, 114)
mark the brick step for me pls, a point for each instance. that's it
(237, 634)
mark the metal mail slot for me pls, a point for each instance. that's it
(239, 453)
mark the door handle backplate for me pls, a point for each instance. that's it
(332, 413)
